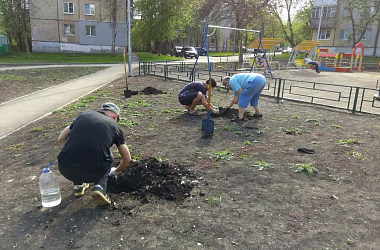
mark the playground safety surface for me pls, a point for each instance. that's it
(238, 189)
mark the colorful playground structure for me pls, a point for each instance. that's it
(347, 63)
(333, 62)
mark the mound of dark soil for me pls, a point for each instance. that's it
(152, 177)
(230, 113)
(151, 91)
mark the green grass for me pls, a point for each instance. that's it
(20, 57)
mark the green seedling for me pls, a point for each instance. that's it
(347, 141)
(293, 131)
(262, 164)
(350, 241)
(312, 120)
(37, 129)
(161, 159)
(248, 134)
(226, 155)
(238, 132)
(213, 200)
(295, 117)
(229, 128)
(15, 147)
(244, 157)
(143, 103)
(152, 127)
(166, 111)
(357, 154)
(127, 123)
(308, 167)
(247, 142)
(116, 155)
(335, 126)
(137, 157)
(135, 114)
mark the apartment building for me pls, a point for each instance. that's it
(76, 26)
(335, 29)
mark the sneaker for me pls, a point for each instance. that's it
(256, 116)
(100, 196)
(237, 120)
(79, 189)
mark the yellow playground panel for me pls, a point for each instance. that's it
(268, 44)
(307, 46)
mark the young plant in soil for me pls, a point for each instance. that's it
(229, 128)
(293, 131)
(335, 126)
(15, 147)
(213, 200)
(347, 141)
(357, 154)
(226, 155)
(262, 164)
(308, 167)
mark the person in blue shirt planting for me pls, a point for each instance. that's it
(247, 88)
(195, 93)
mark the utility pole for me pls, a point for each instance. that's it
(129, 39)
(320, 21)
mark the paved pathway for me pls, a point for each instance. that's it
(17, 113)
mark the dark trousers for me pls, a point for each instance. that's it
(78, 176)
(316, 64)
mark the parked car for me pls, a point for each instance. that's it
(188, 51)
(201, 51)
(236, 49)
(176, 51)
(288, 49)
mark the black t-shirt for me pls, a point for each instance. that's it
(88, 144)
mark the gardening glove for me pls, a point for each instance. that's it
(112, 172)
(215, 110)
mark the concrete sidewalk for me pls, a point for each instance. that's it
(18, 113)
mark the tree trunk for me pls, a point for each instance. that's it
(113, 25)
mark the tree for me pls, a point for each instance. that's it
(240, 11)
(360, 13)
(15, 18)
(290, 7)
(161, 22)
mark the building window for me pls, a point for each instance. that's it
(89, 9)
(344, 34)
(69, 30)
(372, 10)
(328, 11)
(367, 35)
(315, 12)
(90, 30)
(68, 8)
(324, 35)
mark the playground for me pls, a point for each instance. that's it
(251, 186)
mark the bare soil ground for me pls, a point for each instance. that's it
(16, 83)
(238, 189)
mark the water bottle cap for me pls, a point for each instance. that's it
(47, 168)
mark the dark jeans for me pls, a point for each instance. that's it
(316, 64)
(78, 176)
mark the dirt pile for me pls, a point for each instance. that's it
(151, 91)
(230, 113)
(153, 177)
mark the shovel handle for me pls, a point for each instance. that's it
(209, 94)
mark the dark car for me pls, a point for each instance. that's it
(176, 51)
(201, 51)
(188, 51)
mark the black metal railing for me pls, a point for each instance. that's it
(351, 98)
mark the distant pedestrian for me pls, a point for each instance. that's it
(195, 93)
(247, 88)
(86, 155)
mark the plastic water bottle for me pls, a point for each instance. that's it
(49, 188)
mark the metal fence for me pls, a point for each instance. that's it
(354, 99)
